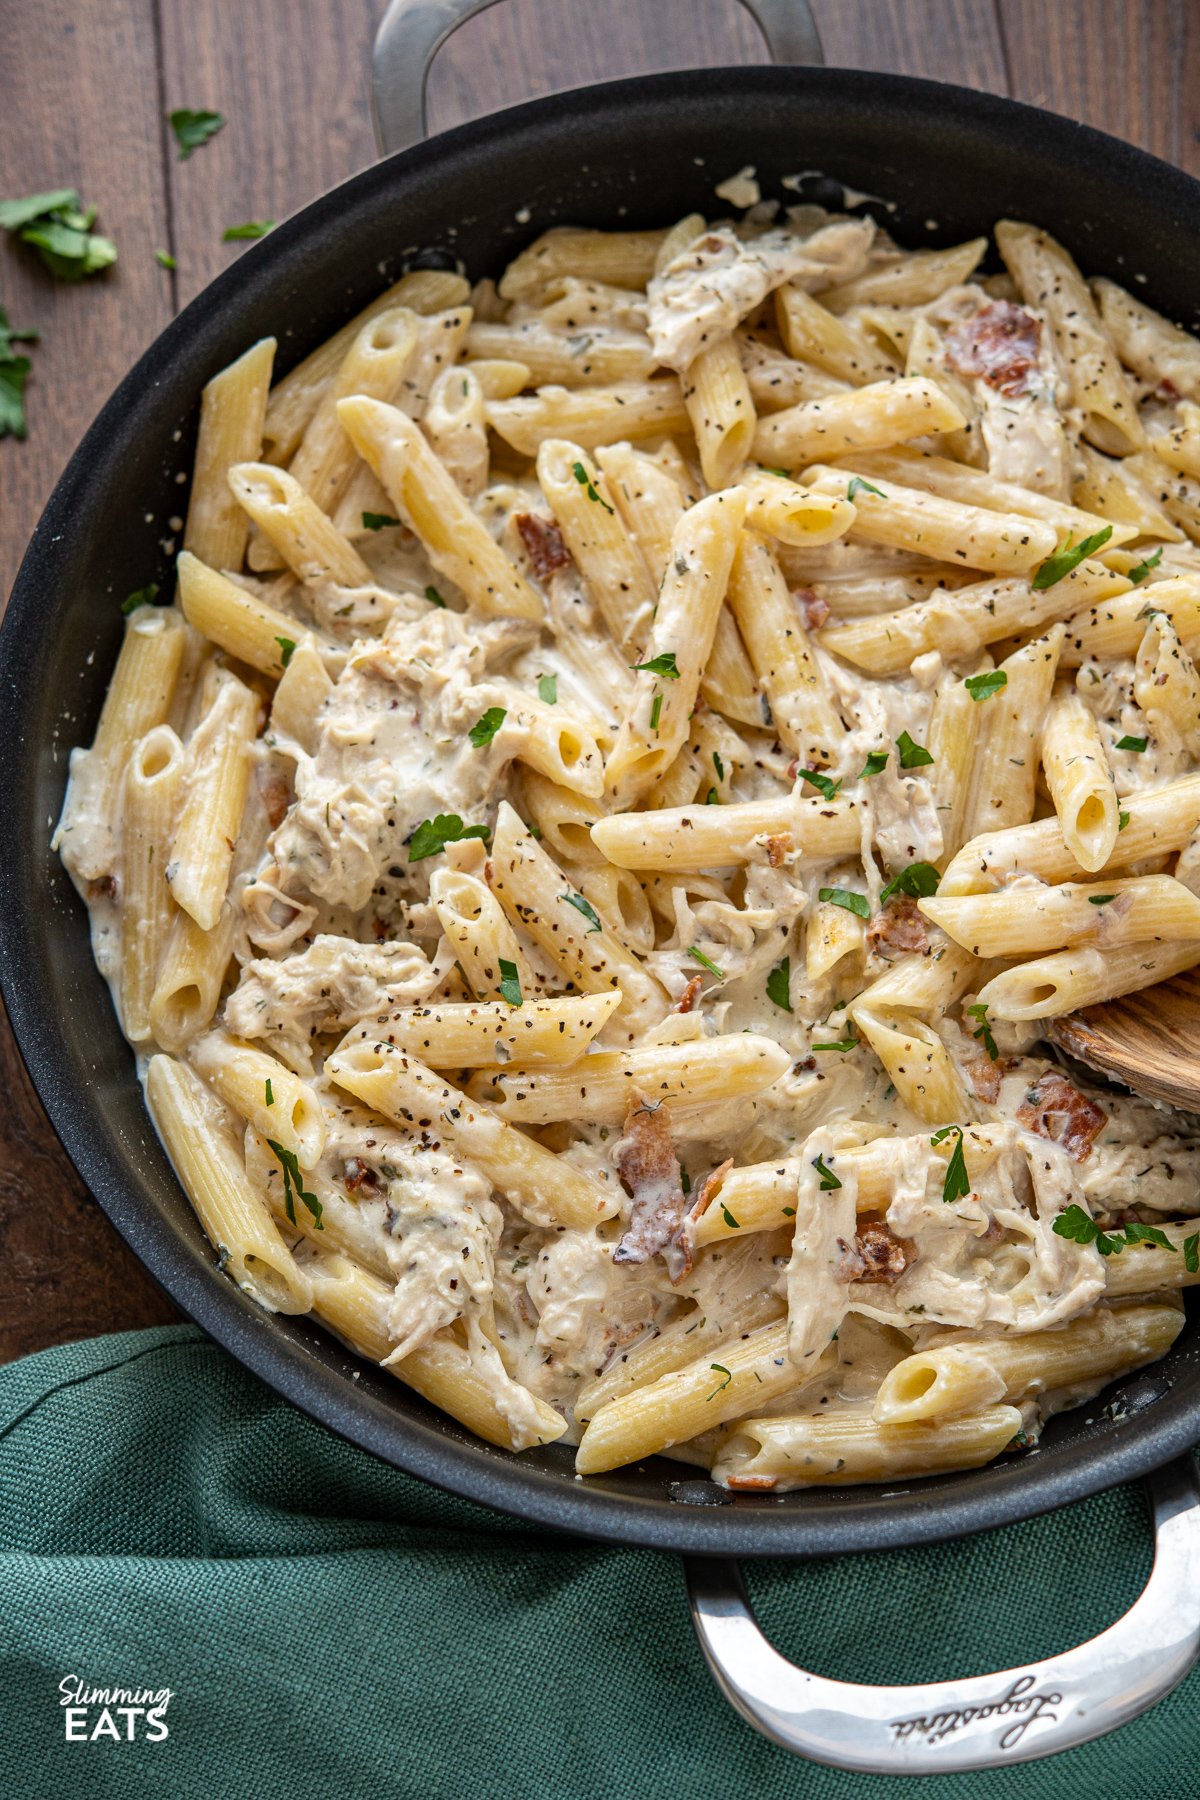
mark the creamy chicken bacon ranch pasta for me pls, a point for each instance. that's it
(638, 752)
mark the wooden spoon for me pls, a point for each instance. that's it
(1148, 1041)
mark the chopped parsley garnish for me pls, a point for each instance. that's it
(876, 763)
(270, 1092)
(706, 962)
(1191, 1253)
(1067, 557)
(510, 982)
(1139, 571)
(779, 985)
(918, 881)
(548, 689)
(1077, 1225)
(844, 897)
(164, 259)
(1136, 744)
(655, 711)
(14, 369)
(982, 687)
(979, 1011)
(286, 648)
(718, 765)
(829, 1180)
(859, 486)
(912, 755)
(433, 597)
(140, 597)
(432, 835)
(252, 228)
(720, 1369)
(1122, 820)
(729, 1218)
(293, 1186)
(589, 912)
(663, 665)
(60, 231)
(1100, 899)
(785, 473)
(713, 797)
(957, 1184)
(376, 522)
(486, 726)
(842, 1044)
(588, 485)
(193, 128)
(824, 784)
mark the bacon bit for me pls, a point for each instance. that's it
(690, 995)
(649, 1168)
(616, 1337)
(380, 928)
(104, 887)
(678, 1256)
(793, 768)
(752, 1484)
(884, 1255)
(360, 1177)
(275, 794)
(813, 610)
(778, 849)
(1055, 1109)
(985, 1076)
(900, 925)
(1167, 389)
(1000, 345)
(544, 544)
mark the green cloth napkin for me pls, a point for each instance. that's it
(329, 1627)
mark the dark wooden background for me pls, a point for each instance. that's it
(84, 89)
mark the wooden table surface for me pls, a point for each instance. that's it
(87, 85)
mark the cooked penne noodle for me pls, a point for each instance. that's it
(591, 416)
(1049, 986)
(909, 519)
(264, 1092)
(782, 656)
(482, 938)
(215, 787)
(840, 1447)
(234, 1217)
(295, 399)
(471, 1036)
(543, 1188)
(375, 364)
(952, 1379)
(860, 419)
(1048, 278)
(233, 411)
(619, 258)
(153, 782)
(458, 546)
(813, 334)
(1026, 921)
(1080, 781)
(1146, 342)
(309, 542)
(236, 619)
(606, 555)
(708, 837)
(598, 355)
(138, 699)
(1004, 766)
(601, 1084)
(912, 279)
(782, 509)
(721, 409)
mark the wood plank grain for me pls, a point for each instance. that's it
(64, 1272)
(59, 128)
(944, 40)
(292, 84)
(1132, 69)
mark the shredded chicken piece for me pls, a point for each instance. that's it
(813, 609)
(1055, 1109)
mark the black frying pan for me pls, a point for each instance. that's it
(634, 153)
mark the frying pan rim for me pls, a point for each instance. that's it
(758, 1527)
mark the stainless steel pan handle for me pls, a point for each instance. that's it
(986, 1721)
(413, 31)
